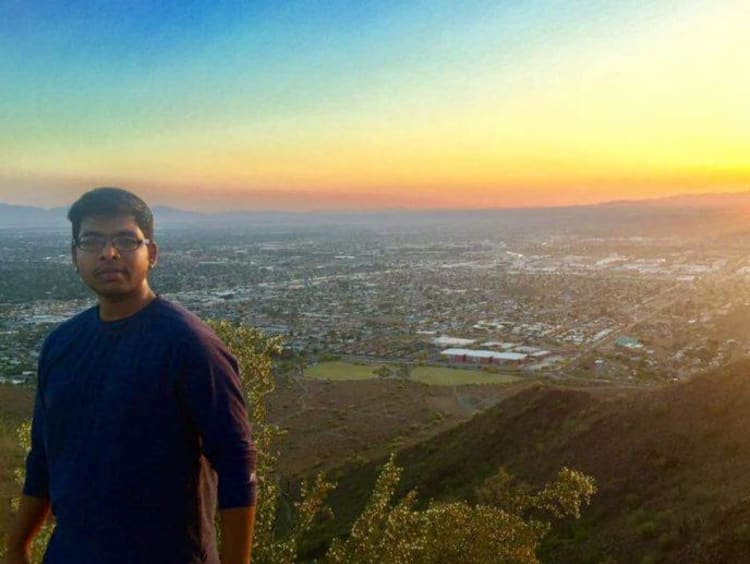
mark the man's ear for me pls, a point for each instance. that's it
(73, 257)
(153, 254)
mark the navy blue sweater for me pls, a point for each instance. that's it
(135, 421)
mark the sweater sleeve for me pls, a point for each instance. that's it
(212, 393)
(36, 483)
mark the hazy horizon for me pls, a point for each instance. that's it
(717, 199)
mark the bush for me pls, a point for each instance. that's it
(495, 530)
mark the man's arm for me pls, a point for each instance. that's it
(29, 519)
(211, 391)
(237, 534)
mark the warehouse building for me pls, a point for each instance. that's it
(483, 356)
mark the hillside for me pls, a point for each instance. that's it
(672, 465)
(327, 423)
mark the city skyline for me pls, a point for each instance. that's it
(374, 105)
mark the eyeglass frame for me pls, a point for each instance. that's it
(111, 241)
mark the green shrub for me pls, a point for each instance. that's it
(647, 529)
(741, 533)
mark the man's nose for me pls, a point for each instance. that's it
(109, 251)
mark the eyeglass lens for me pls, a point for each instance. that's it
(121, 243)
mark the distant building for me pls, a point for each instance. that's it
(499, 345)
(628, 343)
(483, 356)
(451, 341)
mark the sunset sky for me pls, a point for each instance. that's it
(362, 105)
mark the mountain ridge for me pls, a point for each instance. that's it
(672, 466)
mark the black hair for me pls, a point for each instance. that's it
(111, 202)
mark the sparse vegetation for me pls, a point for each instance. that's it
(457, 532)
(386, 532)
(432, 375)
(338, 370)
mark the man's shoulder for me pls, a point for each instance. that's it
(62, 337)
(180, 324)
(71, 327)
(192, 338)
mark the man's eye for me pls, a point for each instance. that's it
(125, 243)
(91, 242)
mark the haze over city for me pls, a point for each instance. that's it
(372, 105)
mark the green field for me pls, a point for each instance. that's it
(337, 370)
(439, 376)
(433, 375)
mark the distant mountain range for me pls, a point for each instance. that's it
(729, 200)
(675, 209)
(27, 216)
(44, 218)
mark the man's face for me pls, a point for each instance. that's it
(110, 272)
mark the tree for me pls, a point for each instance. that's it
(254, 352)
(39, 544)
(382, 371)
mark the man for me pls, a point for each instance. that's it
(138, 412)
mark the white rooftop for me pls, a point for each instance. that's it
(445, 340)
(484, 354)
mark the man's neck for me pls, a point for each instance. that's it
(114, 308)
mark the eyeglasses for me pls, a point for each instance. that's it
(123, 243)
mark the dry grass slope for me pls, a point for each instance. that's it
(673, 466)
